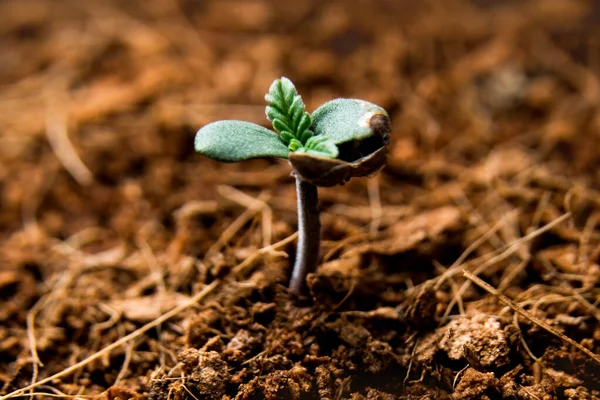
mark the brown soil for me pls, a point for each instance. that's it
(109, 219)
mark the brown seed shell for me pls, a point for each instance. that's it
(330, 172)
(327, 172)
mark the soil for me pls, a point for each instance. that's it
(109, 219)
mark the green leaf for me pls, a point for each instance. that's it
(232, 141)
(304, 123)
(286, 136)
(344, 120)
(295, 145)
(281, 126)
(287, 111)
(273, 114)
(321, 146)
(307, 135)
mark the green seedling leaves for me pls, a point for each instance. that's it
(287, 112)
(233, 141)
(319, 146)
(358, 130)
(345, 120)
(344, 138)
(338, 129)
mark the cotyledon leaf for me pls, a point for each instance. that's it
(232, 141)
(344, 120)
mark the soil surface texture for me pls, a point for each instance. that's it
(133, 268)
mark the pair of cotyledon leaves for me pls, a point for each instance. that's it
(335, 122)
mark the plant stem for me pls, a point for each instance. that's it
(309, 235)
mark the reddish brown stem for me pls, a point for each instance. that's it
(309, 235)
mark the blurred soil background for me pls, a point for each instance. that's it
(108, 219)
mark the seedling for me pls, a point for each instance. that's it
(343, 138)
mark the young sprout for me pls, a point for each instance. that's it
(343, 138)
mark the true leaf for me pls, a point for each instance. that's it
(287, 111)
(344, 120)
(280, 126)
(232, 141)
(304, 123)
(321, 146)
(295, 145)
(306, 135)
(273, 114)
(286, 136)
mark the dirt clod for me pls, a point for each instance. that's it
(476, 385)
(478, 339)
(206, 373)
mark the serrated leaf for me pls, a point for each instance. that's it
(269, 98)
(295, 145)
(232, 141)
(316, 140)
(297, 117)
(306, 135)
(286, 136)
(344, 120)
(304, 123)
(321, 145)
(281, 126)
(297, 107)
(288, 90)
(273, 113)
(286, 110)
